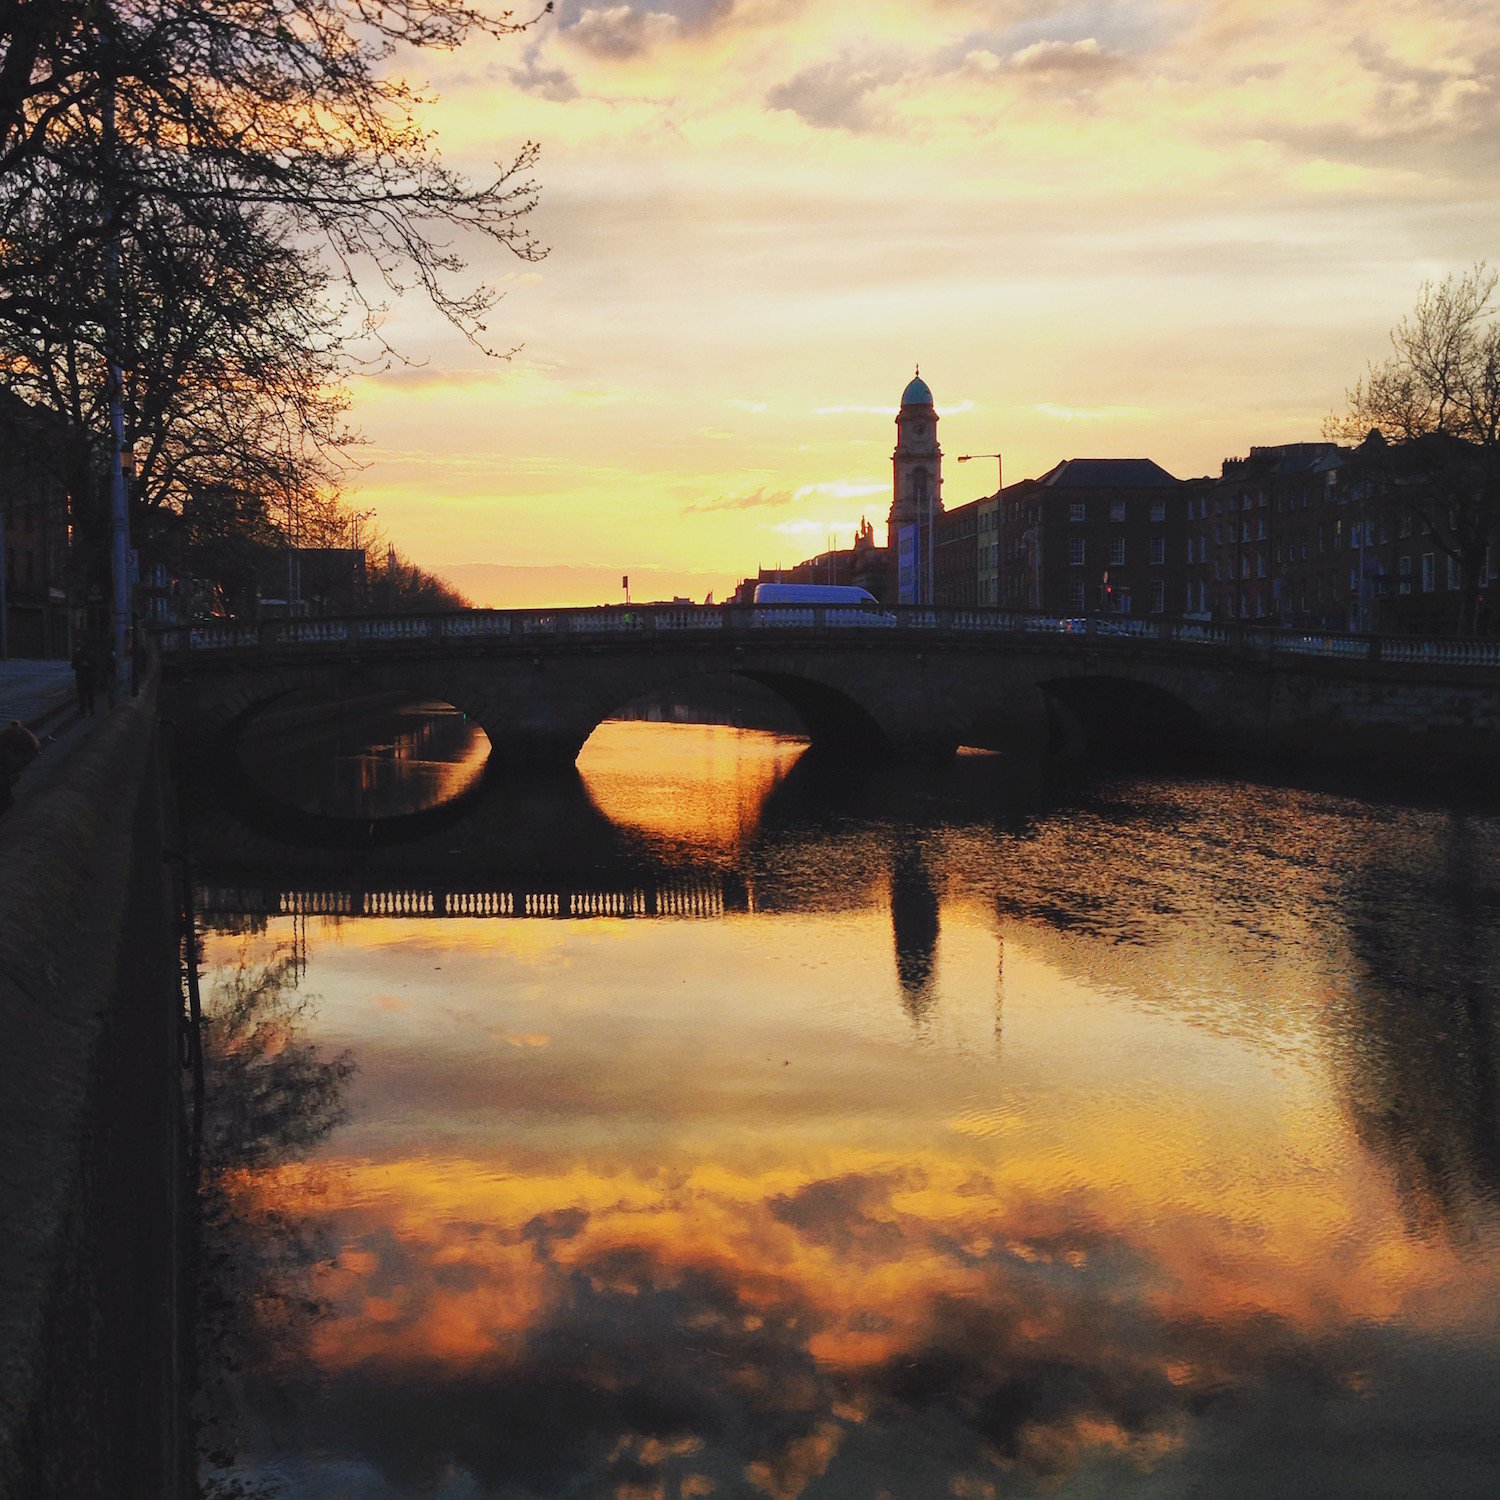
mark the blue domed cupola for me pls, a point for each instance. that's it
(916, 392)
(917, 461)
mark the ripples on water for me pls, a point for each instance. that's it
(971, 1141)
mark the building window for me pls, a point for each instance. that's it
(1405, 525)
(1218, 570)
(1076, 603)
(1453, 573)
(1158, 510)
(1429, 572)
(1158, 596)
(1075, 510)
(1260, 564)
(1260, 529)
(1117, 552)
(1158, 551)
(1121, 600)
(1218, 536)
(1075, 551)
(1117, 510)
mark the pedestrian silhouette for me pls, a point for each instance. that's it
(18, 748)
(83, 678)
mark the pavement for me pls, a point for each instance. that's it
(41, 695)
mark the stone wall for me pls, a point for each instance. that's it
(90, 1187)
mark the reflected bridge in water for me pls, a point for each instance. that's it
(706, 895)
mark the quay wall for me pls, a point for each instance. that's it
(91, 1325)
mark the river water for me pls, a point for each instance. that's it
(831, 1134)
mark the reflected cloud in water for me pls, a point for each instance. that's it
(759, 1206)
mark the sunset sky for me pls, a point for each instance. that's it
(1104, 229)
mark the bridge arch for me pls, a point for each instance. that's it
(1121, 716)
(538, 681)
(835, 721)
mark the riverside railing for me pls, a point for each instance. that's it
(613, 623)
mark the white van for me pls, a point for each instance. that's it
(812, 593)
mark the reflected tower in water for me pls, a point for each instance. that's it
(914, 923)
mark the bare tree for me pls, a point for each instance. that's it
(232, 373)
(203, 194)
(286, 105)
(1427, 424)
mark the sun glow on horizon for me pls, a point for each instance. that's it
(1139, 229)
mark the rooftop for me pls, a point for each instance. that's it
(1108, 474)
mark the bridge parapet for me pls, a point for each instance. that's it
(615, 623)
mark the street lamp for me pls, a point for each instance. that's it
(964, 458)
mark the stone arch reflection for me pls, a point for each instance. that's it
(358, 759)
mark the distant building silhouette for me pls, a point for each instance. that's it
(1293, 534)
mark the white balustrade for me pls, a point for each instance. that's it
(1442, 653)
(704, 617)
(615, 621)
(1320, 645)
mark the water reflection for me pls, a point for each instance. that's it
(707, 787)
(757, 1205)
(1422, 1062)
(914, 920)
(367, 760)
(272, 1097)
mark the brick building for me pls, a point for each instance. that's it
(34, 535)
(955, 557)
(1293, 535)
(1258, 538)
(1104, 535)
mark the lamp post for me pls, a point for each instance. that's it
(964, 458)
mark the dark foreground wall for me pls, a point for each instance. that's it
(89, 1128)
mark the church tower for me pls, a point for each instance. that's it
(917, 462)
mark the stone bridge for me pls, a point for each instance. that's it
(911, 682)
